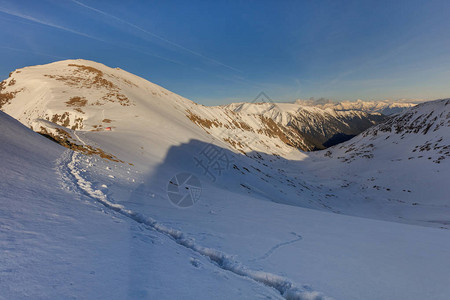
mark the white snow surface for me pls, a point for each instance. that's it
(341, 225)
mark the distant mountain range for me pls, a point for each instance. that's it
(385, 107)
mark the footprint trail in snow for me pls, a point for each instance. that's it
(274, 248)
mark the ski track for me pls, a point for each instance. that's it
(71, 177)
(272, 250)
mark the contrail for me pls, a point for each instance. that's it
(33, 19)
(155, 35)
(125, 46)
(53, 25)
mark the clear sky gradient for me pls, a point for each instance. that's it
(216, 52)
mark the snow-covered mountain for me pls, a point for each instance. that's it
(109, 220)
(400, 166)
(88, 96)
(97, 110)
(421, 133)
(383, 107)
(309, 128)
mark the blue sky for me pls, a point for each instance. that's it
(216, 52)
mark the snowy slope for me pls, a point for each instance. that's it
(250, 235)
(62, 237)
(400, 167)
(57, 243)
(423, 129)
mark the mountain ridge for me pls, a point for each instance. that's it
(384, 107)
(63, 91)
